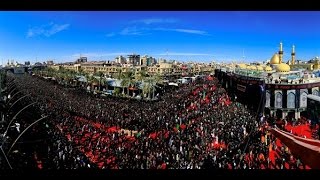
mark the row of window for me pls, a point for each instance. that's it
(291, 99)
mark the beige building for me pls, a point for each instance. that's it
(120, 60)
(161, 68)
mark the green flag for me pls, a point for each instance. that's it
(204, 94)
(178, 126)
(138, 134)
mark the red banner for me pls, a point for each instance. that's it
(307, 149)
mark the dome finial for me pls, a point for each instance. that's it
(293, 54)
(293, 49)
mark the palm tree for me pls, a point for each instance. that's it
(131, 80)
(81, 72)
(66, 77)
(126, 81)
(140, 76)
(100, 75)
(49, 71)
(147, 86)
(118, 75)
(91, 80)
(156, 79)
(116, 91)
(73, 77)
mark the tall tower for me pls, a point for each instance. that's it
(280, 53)
(293, 55)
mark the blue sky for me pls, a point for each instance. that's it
(182, 35)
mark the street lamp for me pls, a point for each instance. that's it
(9, 94)
(5, 156)
(24, 132)
(9, 86)
(15, 116)
(11, 97)
(18, 101)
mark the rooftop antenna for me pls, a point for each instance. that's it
(243, 57)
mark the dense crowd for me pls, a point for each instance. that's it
(195, 126)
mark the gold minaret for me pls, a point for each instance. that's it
(293, 55)
(280, 53)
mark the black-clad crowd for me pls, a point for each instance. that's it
(195, 126)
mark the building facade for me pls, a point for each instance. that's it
(273, 89)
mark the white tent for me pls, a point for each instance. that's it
(114, 82)
(173, 84)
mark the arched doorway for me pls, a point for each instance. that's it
(291, 97)
(304, 114)
(267, 112)
(278, 100)
(291, 115)
(279, 113)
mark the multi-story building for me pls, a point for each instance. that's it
(82, 60)
(120, 60)
(146, 61)
(133, 59)
(50, 62)
(109, 68)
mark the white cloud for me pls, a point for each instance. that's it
(133, 31)
(47, 30)
(189, 31)
(99, 55)
(154, 21)
(183, 54)
(111, 34)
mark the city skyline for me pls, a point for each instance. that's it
(183, 36)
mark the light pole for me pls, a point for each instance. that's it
(5, 156)
(24, 132)
(11, 85)
(11, 90)
(18, 101)
(15, 116)
(14, 95)
(1, 79)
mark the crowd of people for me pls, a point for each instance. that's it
(195, 126)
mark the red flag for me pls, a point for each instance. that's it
(183, 126)
(153, 135)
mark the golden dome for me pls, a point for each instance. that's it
(268, 68)
(283, 67)
(242, 66)
(275, 59)
(259, 68)
(253, 67)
